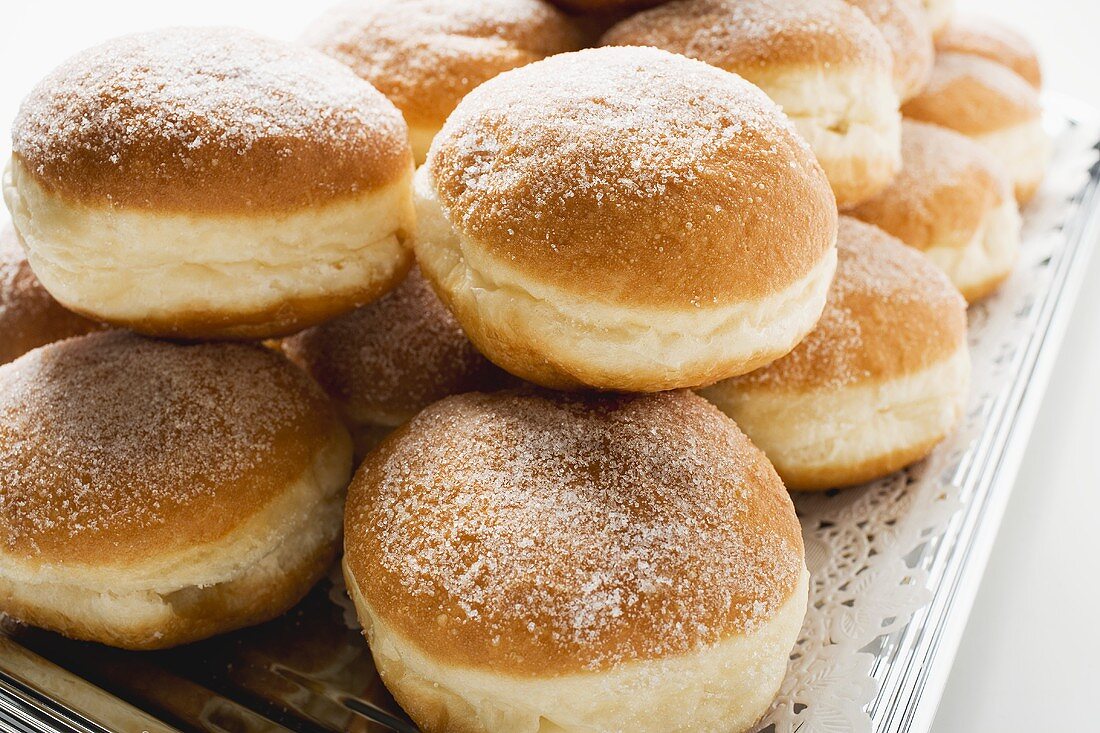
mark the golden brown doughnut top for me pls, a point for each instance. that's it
(388, 360)
(116, 449)
(754, 37)
(533, 532)
(947, 186)
(29, 316)
(635, 174)
(426, 55)
(974, 95)
(208, 120)
(890, 312)
(991, 40)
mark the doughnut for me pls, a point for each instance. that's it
(991, 40)
(820, 60)
(905, 29)
(157, 493)
(625, 219)
(426, 55)
(537, 561)
(939, 13)
(953, 202)
(210, 183)
(995, 107)
(880, 381)
(386, 361)
(29, 317)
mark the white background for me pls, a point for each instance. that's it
(1030, 659)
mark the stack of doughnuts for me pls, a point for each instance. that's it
(580, 353)
(198, 183)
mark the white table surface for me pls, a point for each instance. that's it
(1030, 649)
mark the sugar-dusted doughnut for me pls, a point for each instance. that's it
(881, 380)
(209, 182)
(426, 55)
(528, 560)
(625, 219)
(155, 493)
(953, 202)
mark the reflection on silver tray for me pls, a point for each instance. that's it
(310, 670)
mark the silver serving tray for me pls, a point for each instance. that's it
(913, 663)
(310, 671)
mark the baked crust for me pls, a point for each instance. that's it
(991, 40)
(190, 615)
(207, 120)
(974, 96)
(946, 189)
(426, 55)
(906, 31)
(605, 6)
(824, 478)
(890, 312)
(116, 449)
(532, 533)
(753, 37)
(386, 361)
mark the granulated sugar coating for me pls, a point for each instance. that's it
(889, 312)
(425, 55)
(214, 119)
(530, 532)
(388, 360)
(112, 445)
(636, 174)
(758, 38)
